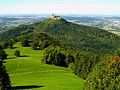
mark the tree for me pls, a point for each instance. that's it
(25, 43)
(17, 53)
(105, 75)
(84, 63)
(59, 59)
(5, 45)
(11, 45)
(54, 55)
(35, 46)
(3, 55)
(69, 59)
(4, 78)
(44, 44)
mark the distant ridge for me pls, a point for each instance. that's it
(79, 37)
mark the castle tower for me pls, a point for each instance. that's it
(55, 17)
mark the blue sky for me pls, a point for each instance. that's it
(111, 7)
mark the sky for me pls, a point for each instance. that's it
(107, 7)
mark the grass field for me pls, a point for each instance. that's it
(116, 32)
(28, 72)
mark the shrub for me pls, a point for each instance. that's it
(17, 53)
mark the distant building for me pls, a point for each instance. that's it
(55, 17)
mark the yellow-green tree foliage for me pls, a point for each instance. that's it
(105, 76)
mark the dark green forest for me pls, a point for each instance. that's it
(90, 52)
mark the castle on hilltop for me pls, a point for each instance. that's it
(55, 17)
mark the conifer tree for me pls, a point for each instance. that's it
(4, 77)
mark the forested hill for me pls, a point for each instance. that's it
(79, 37)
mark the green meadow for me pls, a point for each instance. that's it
(28, 72)
(116, 32)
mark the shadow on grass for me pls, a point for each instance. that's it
(14, 47)
(11, 58)
(25, 87)
(24, 56)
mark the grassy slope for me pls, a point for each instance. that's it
(116, 32)
(25, 71)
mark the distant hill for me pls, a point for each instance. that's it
(79, 37)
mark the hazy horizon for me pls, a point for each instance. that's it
(62, 7)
